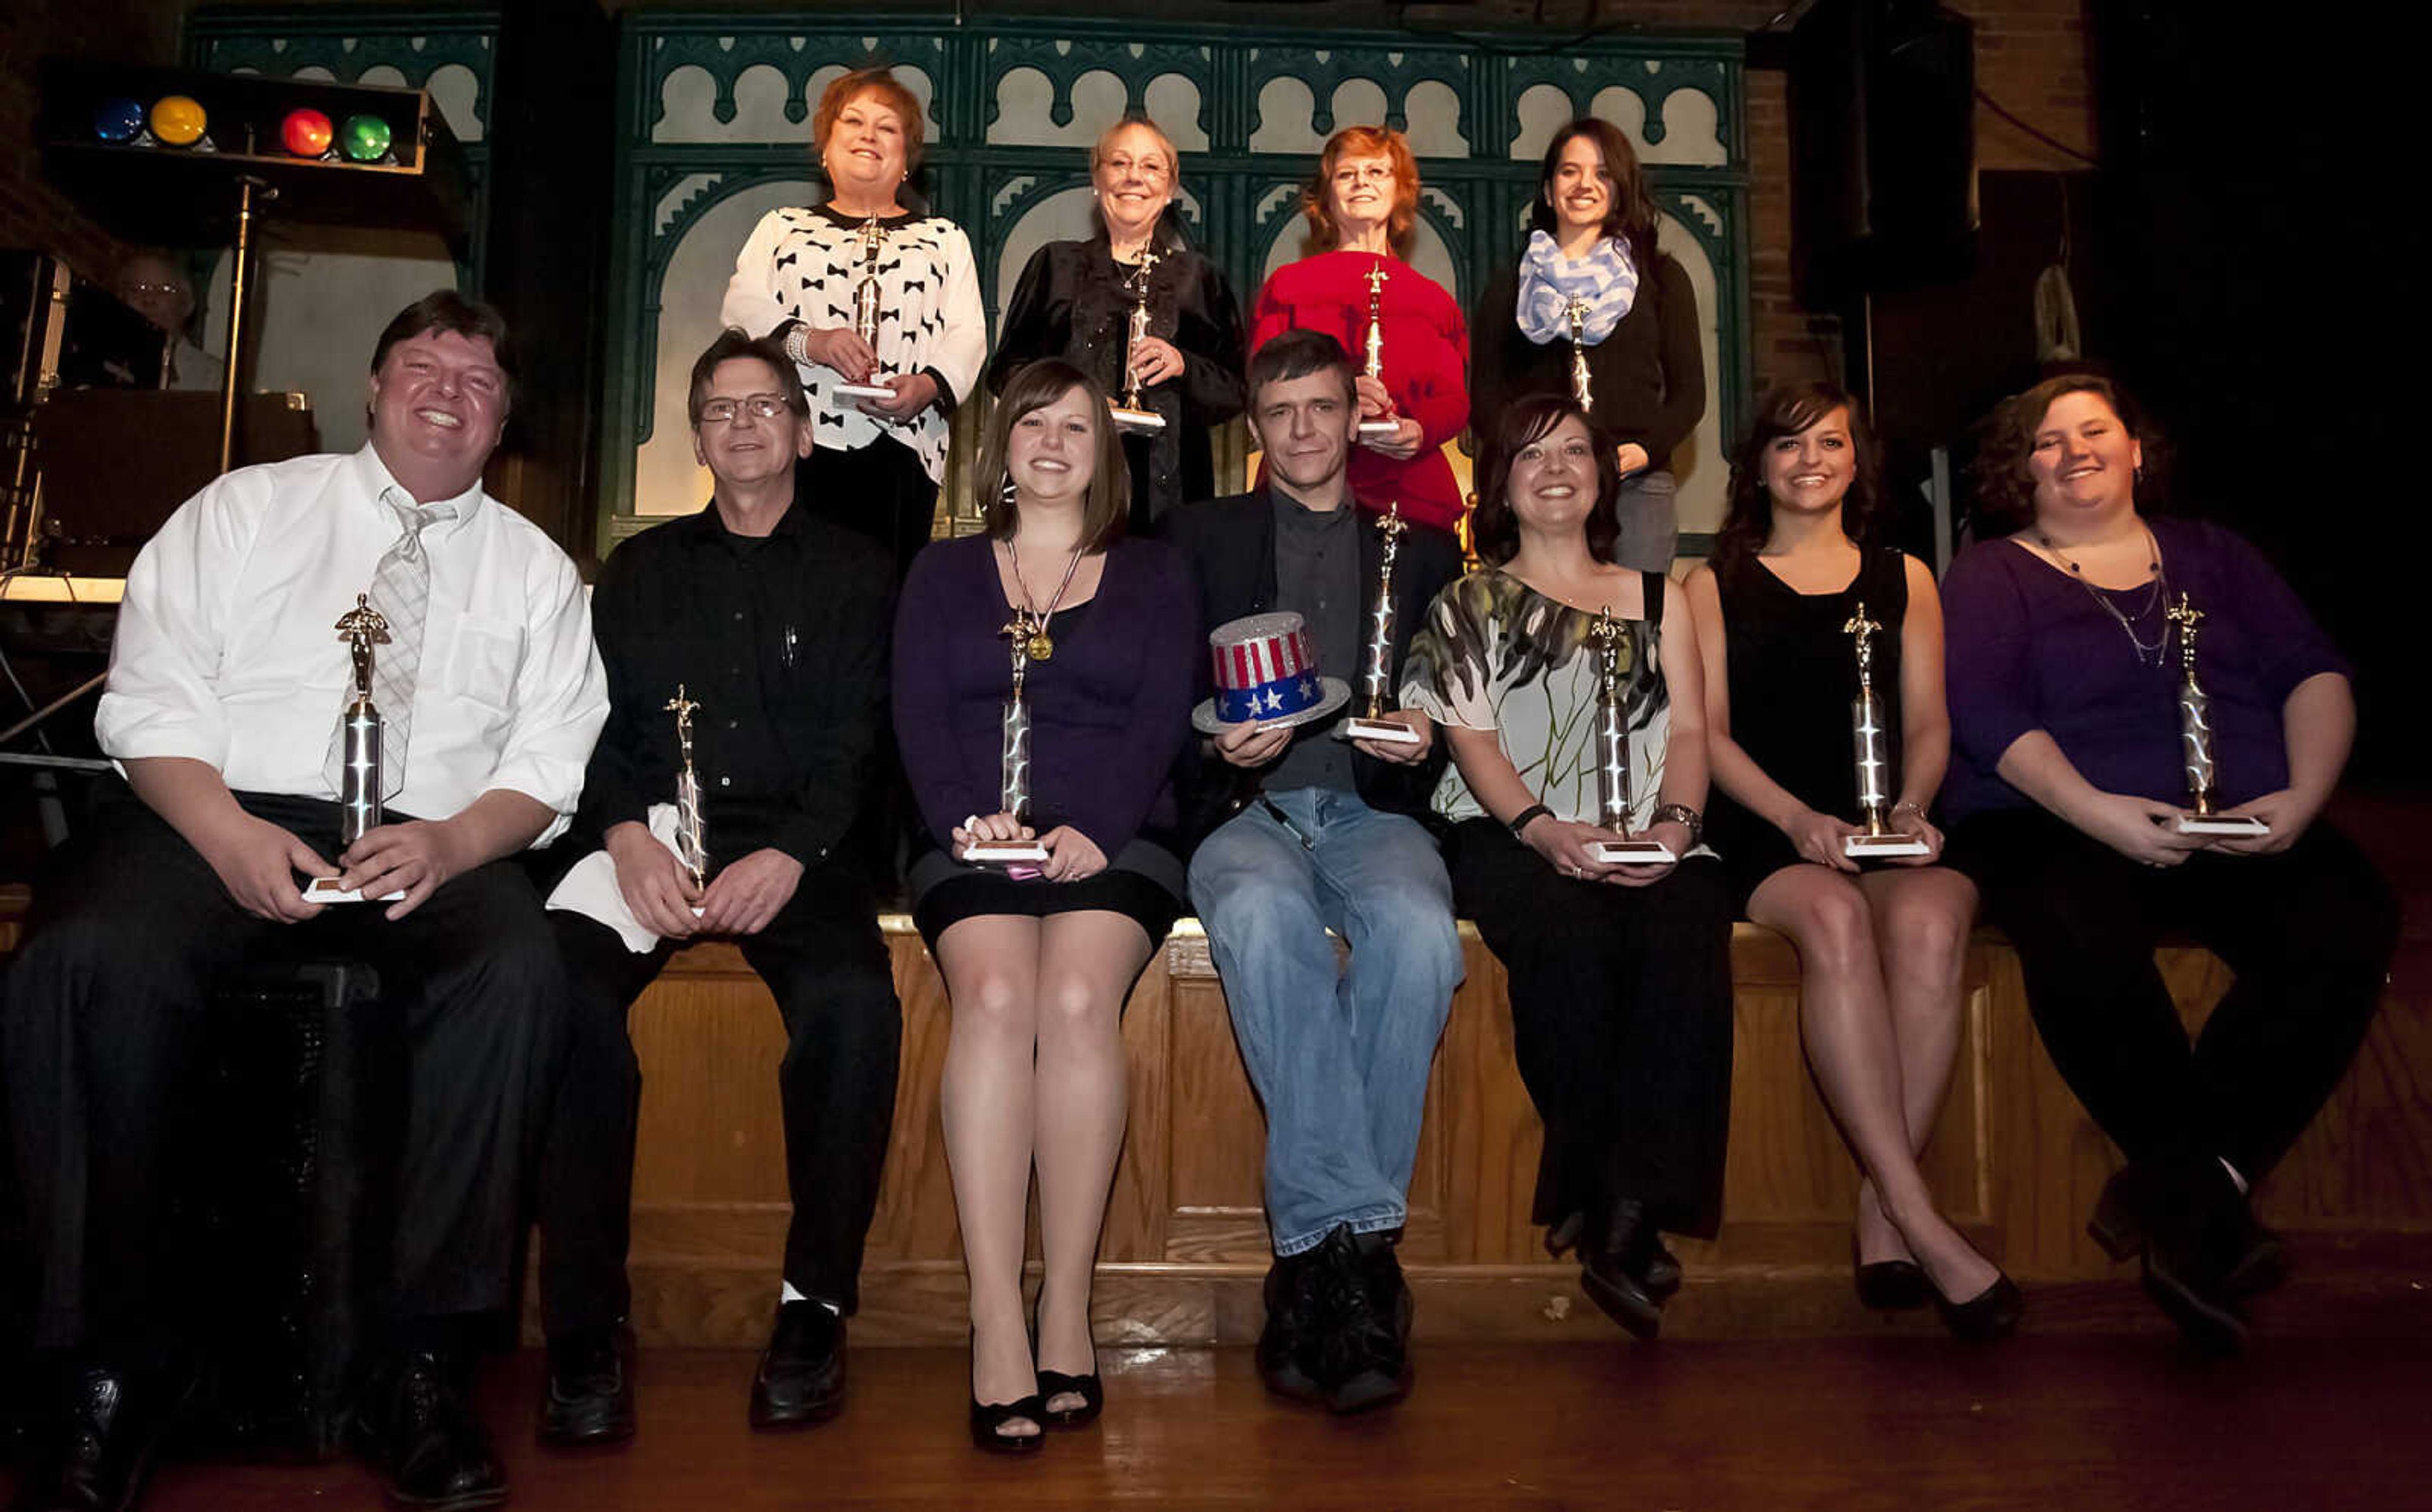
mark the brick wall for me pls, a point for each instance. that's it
(32, 212)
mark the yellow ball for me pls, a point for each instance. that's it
(177, 120)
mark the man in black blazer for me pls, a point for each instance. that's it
(1300, 831)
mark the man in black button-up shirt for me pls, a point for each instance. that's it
(775, 624)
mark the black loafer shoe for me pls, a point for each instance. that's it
(97, 1454)
(589, 1397)
(800, 1379)
(1287, 1352)
(415, 1425)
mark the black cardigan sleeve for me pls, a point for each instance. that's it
(1037, 320)
(1683, 359)
(1207, 331)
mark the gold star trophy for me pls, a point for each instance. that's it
(872, 239)
(1874, 767)
(1130, 415)
(1578, 310)
(1613, 754)
(692, 836)
(2195, 737)
(1377, 676)
(1026, 634)
(1372, 346)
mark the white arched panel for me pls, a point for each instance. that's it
(1025, 99)
(1171, 101)
(1287, 112)
(666, 480)
(1702, 462)
(1692, 126)
(1433, 112)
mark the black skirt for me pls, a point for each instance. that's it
(1143, 882)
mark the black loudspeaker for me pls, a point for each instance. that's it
(1883, 147)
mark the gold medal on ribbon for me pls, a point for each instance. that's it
(1043, 646)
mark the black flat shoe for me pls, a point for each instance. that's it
(988, 1416)
(587, 1398)
(417, 1428)
(801, 1378)
(1991, 1314)
(101, 1448)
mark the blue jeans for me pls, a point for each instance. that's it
(1340, 1056)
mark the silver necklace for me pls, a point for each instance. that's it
(2156, 588)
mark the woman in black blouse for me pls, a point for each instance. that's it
(1075, 300)
(1592, 237)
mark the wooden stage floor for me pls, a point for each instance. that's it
(2098, 1410)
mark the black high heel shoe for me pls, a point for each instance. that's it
(1615, 1263)
(987, 1418)
(1887, 1285)
(1091, 1388)
(1991, 1314)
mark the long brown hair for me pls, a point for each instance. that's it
(1033, 387)
(1633, 216)
(1317, 195)
(1786, 410)
(1493, 528)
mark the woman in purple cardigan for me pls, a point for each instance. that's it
(1038, 959)
(2064, 800)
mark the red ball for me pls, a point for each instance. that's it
(305, 132)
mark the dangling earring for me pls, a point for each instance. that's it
(1005, 495)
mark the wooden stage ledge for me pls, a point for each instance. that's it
(2013, 1159)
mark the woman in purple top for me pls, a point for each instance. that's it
(1037, 960)
(2063, 797)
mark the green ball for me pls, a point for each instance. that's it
(364, 139)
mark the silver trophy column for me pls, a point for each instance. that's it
(2195, 738)
(361, 774)
(1612, 736)
(1129, 412)
(1372, 362)
(1869, 748)
(1027, 632)
(872, 238)
(692, 832)
(1377, 674)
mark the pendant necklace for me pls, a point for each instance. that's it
(2156, 587)
(1042, 646)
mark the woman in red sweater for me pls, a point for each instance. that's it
(1363, 204)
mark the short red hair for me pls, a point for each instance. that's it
(891, 93)
(1317, 198)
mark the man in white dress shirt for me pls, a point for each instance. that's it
(227, 680)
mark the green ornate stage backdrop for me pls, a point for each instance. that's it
(712, 125)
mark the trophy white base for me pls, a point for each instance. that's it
(1384, 730)
(1374, 429)
(1630, 852)
(1006, 853)
(326, 890)
(1864, 846)
(2230, 824)
(1137, 421)
(856, 395)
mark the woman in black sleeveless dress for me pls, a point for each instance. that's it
(1779, 608)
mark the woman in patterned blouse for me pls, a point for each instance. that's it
(1621, 989)
(876, 462)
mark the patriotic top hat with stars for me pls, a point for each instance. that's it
(1265, 671)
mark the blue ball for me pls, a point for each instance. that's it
(118, 119)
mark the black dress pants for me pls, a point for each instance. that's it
(98, 1016)
(823, 959)
(1621, 1021)
(880, 491)
(2308, 933)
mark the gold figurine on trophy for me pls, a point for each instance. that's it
(1130, 413)
(1578, 310)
